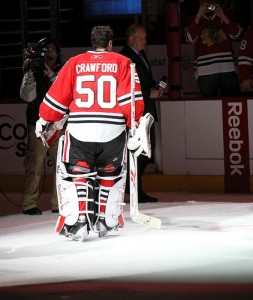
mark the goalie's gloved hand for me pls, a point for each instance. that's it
(41, 125)
(140, 142)
(47, 132)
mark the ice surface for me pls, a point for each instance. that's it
(198, 242)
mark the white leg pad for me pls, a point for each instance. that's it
(68, 201)
(115, 201)
(66, 190)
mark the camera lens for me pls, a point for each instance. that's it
(37, 64)
(211, 7)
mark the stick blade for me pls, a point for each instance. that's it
(146, 220)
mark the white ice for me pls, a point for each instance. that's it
(198, 242)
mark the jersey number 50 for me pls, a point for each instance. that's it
(106, 91)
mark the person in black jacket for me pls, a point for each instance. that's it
(40, 71)
(134, 49)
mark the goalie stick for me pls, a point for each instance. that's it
(135, 215)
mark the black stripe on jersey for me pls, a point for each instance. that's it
(96, 118)
(214, 57)
(56, 107)
(245, 61)
(209, 60)
(217, 61)
(126, 99)
(137, 96)
(96, 122)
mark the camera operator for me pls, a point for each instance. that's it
(211, 30)
(40, 67)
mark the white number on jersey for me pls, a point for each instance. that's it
(106, 87)
(243, 44)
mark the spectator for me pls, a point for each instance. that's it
(245, 61)
(134, 49)
(40, 69)
(211, 30)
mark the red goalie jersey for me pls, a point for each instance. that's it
(94, 88)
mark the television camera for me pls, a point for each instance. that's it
(36, 57)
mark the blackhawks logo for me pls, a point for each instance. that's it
(212, 35)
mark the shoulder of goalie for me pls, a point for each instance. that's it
(47, 132)
(140, 141)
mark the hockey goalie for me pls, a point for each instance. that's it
(94, 89)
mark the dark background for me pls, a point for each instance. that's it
(24, 21)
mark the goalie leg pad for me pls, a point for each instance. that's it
(68, 201)
(66, 190)
(110, 204)
(70, 194)
(72, 189)
(75, 220)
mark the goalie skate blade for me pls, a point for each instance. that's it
(147, 220)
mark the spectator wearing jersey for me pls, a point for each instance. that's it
(39, 74)
(211, 30)
(245, 62)
(95, 87)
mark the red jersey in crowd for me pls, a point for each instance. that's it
(212, 39)
(245, 57)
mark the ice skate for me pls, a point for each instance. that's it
(65, 230)
(103, 229)
(79, 231)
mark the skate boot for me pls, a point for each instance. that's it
(79, 231)
(65, 230)
(103, 229)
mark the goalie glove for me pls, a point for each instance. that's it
(140, 142)
(47, 132)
